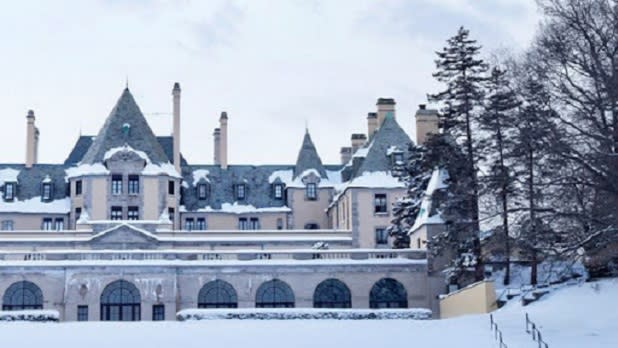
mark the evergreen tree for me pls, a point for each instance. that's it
(405, 210)
(497, 122)
(463, 72)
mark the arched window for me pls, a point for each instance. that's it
(22, 295)
(332, 293)
(120, 301)
(274, 294)
(217, 294)
(388, 293)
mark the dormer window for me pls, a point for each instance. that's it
(241, 191)
(202, 191)
(398, 158)
(78, 187)
(46, 191)
(278, 191)
(9, 191)
(311, 192)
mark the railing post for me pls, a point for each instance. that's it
(533, 332)
(491, 321)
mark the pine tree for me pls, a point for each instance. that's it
(405, 210)
(497, 121)
(463, 72)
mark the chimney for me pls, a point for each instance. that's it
(36, 144)
(346, 154)
(31, 140)
(358, 139)
(427, 123)
(217, 139)
(176, 102)
(385, 105)
(223, 141)
(372, 123)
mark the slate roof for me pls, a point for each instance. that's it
(113, 133)
(30, 180)
(308, 158)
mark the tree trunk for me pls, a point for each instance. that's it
(533, 224)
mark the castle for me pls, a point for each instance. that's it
(126, 229)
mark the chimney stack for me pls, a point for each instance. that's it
(372, 124)
(427, 123)
(223, 141)
(176, 135)
(217, 139)
(346, 154)
(36, 144)
(31, 140)
(385, 105)
(358, 139)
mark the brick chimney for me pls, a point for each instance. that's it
(427, 123)
(32, 140)
(372, 123)
(217, 142)
(358, 139)
(176, 128)
(223, 142)
(346, 154)
(385, 105)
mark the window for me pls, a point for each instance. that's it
(23, 295)
(116, 213)
(381, 236)
(78, 213)
(310, 191)
(278, 191)
(332, 293)
(201, 224)
(78, 191)
(254, 224)
(116, 184)
(171, 213)
(189, 224)
(202, 191)
(242, 224)
(46, 193)
(171, 189)
(398, 158)
(59, 224)
(120, 301)
(274, 294)
(9, 191)
(388, 293)
(133, 186)
(240, 191)
(7, 225)
(158, 312)
(217, 294)
(312, 226)
(380, 203)
(279, 223)
(82, 313)
(48, 224)
(133, 213)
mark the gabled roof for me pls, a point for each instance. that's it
(308, 158)
(125, 125)
(388, 136)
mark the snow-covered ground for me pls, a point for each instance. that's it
(583, 315)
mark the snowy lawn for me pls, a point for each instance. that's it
(584, 315)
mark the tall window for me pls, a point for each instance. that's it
(116, 213)
(171, 187)
(116, 184)
(201, 224)
(254, 224)
(278, 191)
(241, 191)
(9, 191)
(158, 312)
(46, 192)
(59, 224)
(189, 224)
(133, 186)
(202, 191)
(242, 224)
(381, 236)
(48, 224)
(78, 187)
(379, 202)
(82, 313)
(7, 225)
(311, 192)
(120, 301)
(133, 213)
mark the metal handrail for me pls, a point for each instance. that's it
(533, 330)
(493, 326)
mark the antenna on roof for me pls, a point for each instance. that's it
(127, 82)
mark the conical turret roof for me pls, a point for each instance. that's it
(125, 125)
(308, 158)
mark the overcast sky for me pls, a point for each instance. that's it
(274, 66)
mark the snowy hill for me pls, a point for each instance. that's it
(583, 315)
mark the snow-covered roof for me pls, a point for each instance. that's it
(237, 208)
(436, 182)
(36, 205)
